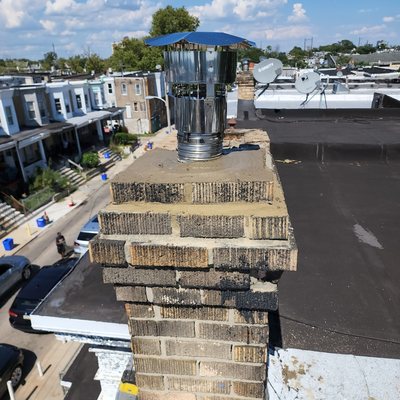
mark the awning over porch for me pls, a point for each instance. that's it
(89, 118)
(6, 143)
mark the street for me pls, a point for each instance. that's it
(42, 251)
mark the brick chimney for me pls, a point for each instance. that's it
(190, 249)
(246, 110)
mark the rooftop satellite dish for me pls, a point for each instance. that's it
(267, 70)
(307, 82)
(339, 74)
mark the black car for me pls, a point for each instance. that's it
(35, 291)
(11, 362)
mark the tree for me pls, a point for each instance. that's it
(94, 63)
(49, 60)
(170, 20)
(366, 49)
(77, 64)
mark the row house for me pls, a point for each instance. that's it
(42, 122)
(132, 92)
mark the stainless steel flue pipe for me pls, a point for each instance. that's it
(197, 80)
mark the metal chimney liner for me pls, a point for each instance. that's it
(198, 66)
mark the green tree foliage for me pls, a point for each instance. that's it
(123, 138)
(366, 49)
(297, 57)
(132, 54)
(94, 63)
(77, 64)
(90, 159)
(47, 177)
(49, 60)
(169, 20)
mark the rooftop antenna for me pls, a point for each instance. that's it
(267, 71)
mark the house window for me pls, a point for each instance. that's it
(97, 98)
(124, 89)
(31, 153)
(57, 103)
(9, 116)
(42, 109)
(135, 106)
(110, 89)
(86, 100)
(138, 88)
(31, 110)
(67, 108)
(79, 100)
(128, 111)
(142, 107)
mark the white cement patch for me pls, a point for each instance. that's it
(309, 375)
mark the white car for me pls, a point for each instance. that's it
(88, 232)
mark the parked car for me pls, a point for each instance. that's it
(88, 232)
(12, 270)
(11, 364)
(34, 292)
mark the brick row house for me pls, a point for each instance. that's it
(49, 121)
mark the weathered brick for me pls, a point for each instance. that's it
(251, 354)
(107, 252)
(198, 349)
(173, 296)
(152, 395)
(214, 280)
(139, 310)
(245, 258)
(211, 226)
(131, 293)
(248, 300)
(233, 370)
(154, 382)
(258, 334)
(269, 227)
(146, 346)
(250, 317)
(161, 328)
(228, 192)
(197, 313)
(139, 276)
(123, 192)
(131, 223)
(197, 385)
(164, 366)
(249, 389)
(229, 333)
(147, 255)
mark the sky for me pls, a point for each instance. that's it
(30, 28)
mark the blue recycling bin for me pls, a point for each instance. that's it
(8, 244)
(41, 222)
(104, 177)
(107, 154)
(150, 145)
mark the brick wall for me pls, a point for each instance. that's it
(191, 260)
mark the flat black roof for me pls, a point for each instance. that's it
(345, 211)
(83, 295)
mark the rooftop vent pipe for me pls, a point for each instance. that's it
(198, 66)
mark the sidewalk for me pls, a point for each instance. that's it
(29, 229)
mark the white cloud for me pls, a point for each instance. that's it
(391, 18)
(287, 32)
(241, 9)
(59, 6)
(298, 13)
(48, 25)
(12, 13)
(369, 30)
